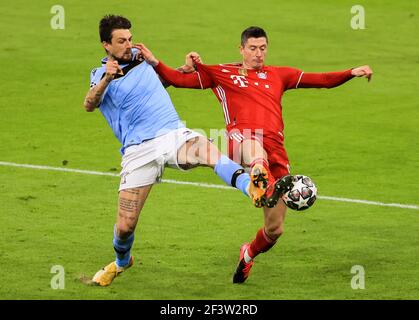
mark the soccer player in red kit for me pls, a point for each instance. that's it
(250, 94)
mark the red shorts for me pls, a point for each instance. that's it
(272, 143)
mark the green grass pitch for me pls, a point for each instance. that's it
(358, 141)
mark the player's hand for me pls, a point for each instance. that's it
(190, 60)
(363, 71)
(146, 54)
(112, 68)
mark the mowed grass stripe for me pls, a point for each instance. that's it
(204, 185)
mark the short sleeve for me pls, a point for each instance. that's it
(95, 76)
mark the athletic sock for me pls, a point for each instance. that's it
(122, 249)
(261, 243)
(232, 174)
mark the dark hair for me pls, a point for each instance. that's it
(109, 23)
(252, 32)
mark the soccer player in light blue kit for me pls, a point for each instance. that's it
(137, 107)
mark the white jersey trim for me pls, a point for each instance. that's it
(222, 96)
(299, 79)
(236, 137)
(200, 82)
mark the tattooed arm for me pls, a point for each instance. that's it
(94, 95)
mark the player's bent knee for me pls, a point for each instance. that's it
(274, 232)
(206, 153)
(213, 153)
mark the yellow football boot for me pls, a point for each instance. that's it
(258, 185)
(105, 276)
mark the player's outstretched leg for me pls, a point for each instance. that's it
(199, 151)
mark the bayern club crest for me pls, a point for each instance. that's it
(262, 75)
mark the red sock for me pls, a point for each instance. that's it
(261, 243)
(265, 164)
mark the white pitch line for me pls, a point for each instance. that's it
(203, 185)
(374, 203)
(31, 166)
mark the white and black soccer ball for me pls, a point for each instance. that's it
(302, 194)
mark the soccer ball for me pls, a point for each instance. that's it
(302, 194)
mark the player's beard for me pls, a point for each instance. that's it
(126, 58)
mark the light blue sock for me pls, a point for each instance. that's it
(242, 183)
(122, 249)
(225, 169)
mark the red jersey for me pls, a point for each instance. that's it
(251, 99)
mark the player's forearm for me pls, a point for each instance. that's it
(176, 78)
(324, 80)
(92, 100)
(183, 69)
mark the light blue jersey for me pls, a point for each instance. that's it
(136, 105)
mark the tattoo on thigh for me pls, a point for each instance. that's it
(128, 205)
(132, 191)
(127, 217)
